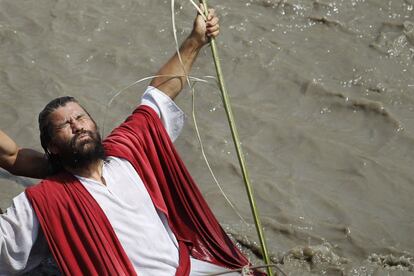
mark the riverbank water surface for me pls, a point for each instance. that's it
(323, 96)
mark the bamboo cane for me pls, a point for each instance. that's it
(227, 107)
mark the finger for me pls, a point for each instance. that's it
(212, 22)
(214, 34)
(211, 14)
(213, 28)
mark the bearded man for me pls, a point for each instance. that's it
(124, 206)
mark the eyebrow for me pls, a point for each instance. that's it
(77, 116)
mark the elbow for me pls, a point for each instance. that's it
(7, 162)
(171, 86)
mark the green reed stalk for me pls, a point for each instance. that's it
(249, 189)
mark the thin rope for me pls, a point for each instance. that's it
(151, 77)
(195, 80)
(119, 92)
(208, 163)
(191, 86)
(199, 10)
(188, 77)
(193, 110)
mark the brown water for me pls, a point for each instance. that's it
(322, 93)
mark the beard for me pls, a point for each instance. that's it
(82, 150)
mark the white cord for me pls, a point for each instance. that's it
(119, 92)
(188, 78)
(193, 109)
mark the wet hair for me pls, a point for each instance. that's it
(46, 130)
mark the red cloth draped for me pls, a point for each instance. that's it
(78, 233)
(144, 142)
(82, 239)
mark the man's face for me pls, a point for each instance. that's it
(75, 138)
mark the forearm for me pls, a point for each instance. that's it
(8, 151)
(173, 74)
(23, 162)
(30, 163)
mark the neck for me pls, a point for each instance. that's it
(91, 171)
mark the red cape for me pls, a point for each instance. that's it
(81, 237)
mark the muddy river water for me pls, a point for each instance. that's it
(323, 96)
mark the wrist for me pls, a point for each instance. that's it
(195, 42)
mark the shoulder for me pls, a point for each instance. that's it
(143, 116)
(134, 128)
(48, 186)
(135, 123)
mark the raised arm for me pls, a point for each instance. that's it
(189, 50)
(20, 161)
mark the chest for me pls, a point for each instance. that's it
(140, 228)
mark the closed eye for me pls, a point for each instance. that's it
(80, 117)
(62, 126)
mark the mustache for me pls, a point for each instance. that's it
(77, 135)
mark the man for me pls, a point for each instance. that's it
(122, 207)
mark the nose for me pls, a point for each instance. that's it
(76, 126)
